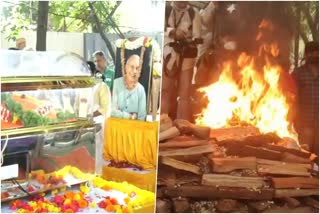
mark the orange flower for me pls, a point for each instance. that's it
(110, 208)
(69, 195)
(41, 179)
(127, 200)
(108, 202)
(107, 188)
(69, 211)
(125, 210)
(83, 203)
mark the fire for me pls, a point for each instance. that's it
(249, 94)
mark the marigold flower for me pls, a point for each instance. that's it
(110, 208)
(93, 205)
(54, 192)
(67, 201)
(127, 200)
(69, 210)
(63, 189)
(83, 203)
(69, 195)
(84, 189)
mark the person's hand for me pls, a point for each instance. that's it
(180, 34)
(177, 34)
(96, 114)
(133, 116)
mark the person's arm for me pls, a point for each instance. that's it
(142, 111)
(115, 111)
(108, 102)
(103, 99)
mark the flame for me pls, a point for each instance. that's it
(255, 97)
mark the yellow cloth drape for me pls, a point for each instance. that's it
(131, 140)
(146, 180)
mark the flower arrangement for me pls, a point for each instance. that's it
(69, 202)
(74, 201)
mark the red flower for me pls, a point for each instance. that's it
(75, 208)
(102, 204)
(30, 189)
(58, 199)
(114, 201)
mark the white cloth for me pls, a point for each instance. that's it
(102, 103)
(206, 16)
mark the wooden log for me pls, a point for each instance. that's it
(188, 151)
(165, 124)
(209, 192)
(248, 151)
(188, 158)
(170, 133)
(180, 165)
(184, 138)
(258, 206)
(282, 163)
(292, 202)
(163, 206)
(188, 179)
(186, 127)
(234, 133)
(295, 182)
(229, 164)
(287, 157)
(217, 180)
(311, 202)
(300, 153)
(226, 205)
(181, 205)
(282, 193)
(291, 170)
(182, 144)
(166, 176)
(289, 210)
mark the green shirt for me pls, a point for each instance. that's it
(125, 102)
(109, 77)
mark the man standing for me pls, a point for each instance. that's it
(100, 61)
(307, 80)
(182, 23)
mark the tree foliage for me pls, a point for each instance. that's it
(63, 16)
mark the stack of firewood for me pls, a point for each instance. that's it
(233, 169)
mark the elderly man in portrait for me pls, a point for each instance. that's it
(128, 96)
